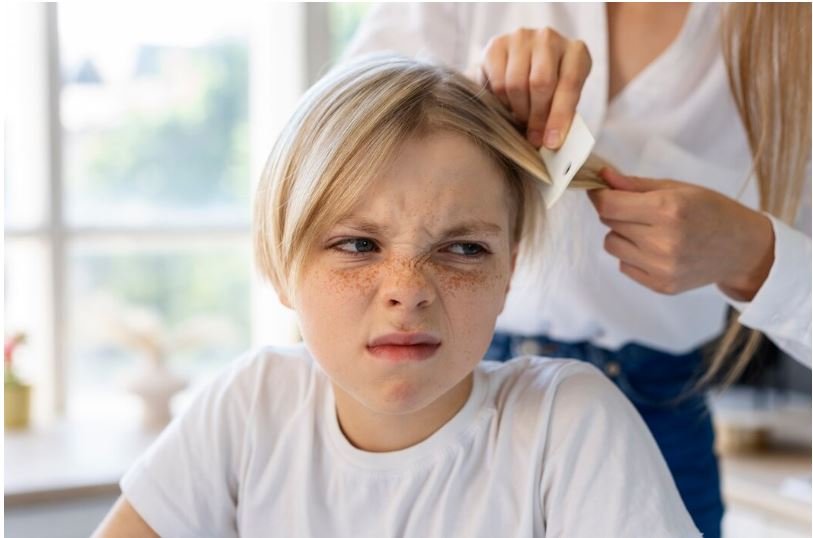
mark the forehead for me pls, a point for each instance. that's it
(440, 176)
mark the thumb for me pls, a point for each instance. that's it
(616, 180)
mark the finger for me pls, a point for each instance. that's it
(517, 72)
(619, 181)
(635, 232)
(573, 71)
(541, 84)
(638, 274)
(625, 250)
(649, 251)
(494, 62)
(625, 206)
(652, 281)
(653, 252)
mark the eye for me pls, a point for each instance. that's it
(356, 245)
(469, 250)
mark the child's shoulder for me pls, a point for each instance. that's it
(277, 362)
(540, 373)
(285, 371)
(293, 357)
(263, 359)
(536, 383)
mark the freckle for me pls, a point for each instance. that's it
(456, 280)
(346, 281)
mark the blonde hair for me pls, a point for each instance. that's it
(345, 130)
(766, 48)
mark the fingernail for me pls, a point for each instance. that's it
(552, 138)
(535, 138)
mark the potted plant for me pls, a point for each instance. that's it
(16, 393)
(144, 331)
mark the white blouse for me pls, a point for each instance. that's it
(676, 119)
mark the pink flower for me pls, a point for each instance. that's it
(11, 345)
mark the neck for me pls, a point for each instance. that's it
(377, 432)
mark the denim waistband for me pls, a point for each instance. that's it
(648, 376)
(634, 356)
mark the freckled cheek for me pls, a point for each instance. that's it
(340, 309)
(342, 291)
(479, 286)
(356, 283)
(474, 298)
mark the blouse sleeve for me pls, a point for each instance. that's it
(186, 483)
(781, 307)
(431, 31)
(602, 472)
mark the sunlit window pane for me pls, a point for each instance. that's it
(344, 18)
(154, 110)
(186, 305)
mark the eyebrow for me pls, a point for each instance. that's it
(465, 228)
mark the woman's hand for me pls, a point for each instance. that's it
(672, 236)
(538, 75)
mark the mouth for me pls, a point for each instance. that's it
(404, 346)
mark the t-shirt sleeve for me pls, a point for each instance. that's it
(186, 483)
(602, 473)
(432, 31)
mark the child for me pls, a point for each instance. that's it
(390, 217)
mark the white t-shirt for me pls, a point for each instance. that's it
(676, 119)
(542, 447)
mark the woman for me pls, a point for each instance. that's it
(643, 273)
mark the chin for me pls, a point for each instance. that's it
(400, 397)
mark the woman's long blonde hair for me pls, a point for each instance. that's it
(766, 47)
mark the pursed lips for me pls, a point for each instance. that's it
(404, 346)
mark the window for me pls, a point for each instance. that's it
(132, 149)
(343, 18)
(154, 116)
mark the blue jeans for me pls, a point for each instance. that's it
(652, 380)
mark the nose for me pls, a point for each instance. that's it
(407, 286)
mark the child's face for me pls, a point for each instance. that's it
(427, 250)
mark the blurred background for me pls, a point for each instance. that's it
(134, 136)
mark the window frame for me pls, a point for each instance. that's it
(277, 42)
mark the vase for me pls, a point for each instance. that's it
(155, 384)
(17, 401)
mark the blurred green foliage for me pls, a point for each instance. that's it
(344, 18)
(194, 152)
